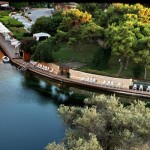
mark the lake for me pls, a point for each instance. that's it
(28, 118)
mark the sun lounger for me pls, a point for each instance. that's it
(104, 83)
(141, 88)
(111, 83)
(134, 87)
(108, 83)
(148, 89)
(82, 79)
(118, 85)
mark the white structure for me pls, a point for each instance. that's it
(3, 29)
(5, 5)
(41, 34)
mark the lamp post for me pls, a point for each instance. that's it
(121, 66)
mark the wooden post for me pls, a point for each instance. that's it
(26, 56)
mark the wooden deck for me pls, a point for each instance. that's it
(9, 50)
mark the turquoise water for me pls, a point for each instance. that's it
(28, 118)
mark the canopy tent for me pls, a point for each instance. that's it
(41, 34)
(3, 29)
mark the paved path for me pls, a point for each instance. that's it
(39, 12)
(10, 50)
(27, 24)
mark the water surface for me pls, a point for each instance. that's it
(28, 119)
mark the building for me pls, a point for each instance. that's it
(65, 6)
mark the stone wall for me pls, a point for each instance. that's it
(55, 67)
(78, 75)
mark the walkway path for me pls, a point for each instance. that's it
(39, 12)
(8, 48)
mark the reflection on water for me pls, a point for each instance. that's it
(70, 95)
(57, 92)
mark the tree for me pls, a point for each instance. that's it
(19, 5)
(79, 144)
(41, 25)
(47, 24)
(122, 41)
(95, 9)
(77, 29)
(101, 58)
(143, 53)
(55, 22)
(76, 17)
(112, 124)
(43, 52)
(90, 32)
(27, 44)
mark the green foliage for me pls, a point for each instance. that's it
(101, 58)
(47, 24)
(138, 71)
(77, 29)
(77, 144)
(38, 4)
(27, 43)
(4, 13)
(19, 5)
(54, 146)
(112, 124)
(9, 22)
(41, 25)
(19, 33)
(95, 9)
(15, 23)
(43, 52)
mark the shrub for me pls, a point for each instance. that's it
(43, 52)
(18, 32)
(101, 58)
(9, 22)
(5, 13)
(138, 70)
(15, 23)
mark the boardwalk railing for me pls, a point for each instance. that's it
(24, 67)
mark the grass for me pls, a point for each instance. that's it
(66, 54)
(18, 32)
(5, 12)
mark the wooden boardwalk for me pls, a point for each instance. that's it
(9, 50)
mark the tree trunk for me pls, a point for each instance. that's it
(85, 56)
(120, 69)
(126, 65)
(145, 73)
